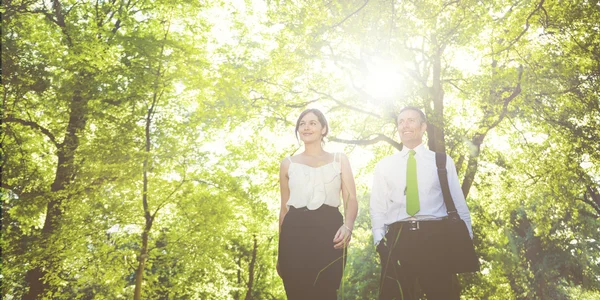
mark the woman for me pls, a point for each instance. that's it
(312, 232)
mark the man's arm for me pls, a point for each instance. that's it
(457, 194)
(378, 204)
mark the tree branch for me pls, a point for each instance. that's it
(34, 125)
(164, 202)
(478, 137)
(592, 204)
(344, 105)
(515, 40)
(60, 20)
(301, 104)
(378, 138)
(452, 83)
(594, 194)
(585, 48)
(349, 16)
(516, 91)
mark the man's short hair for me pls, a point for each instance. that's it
(414, 108)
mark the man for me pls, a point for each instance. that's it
(407, 201)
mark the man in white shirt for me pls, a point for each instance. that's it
(409, 205)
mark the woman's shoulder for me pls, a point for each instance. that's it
(286, 161)
(341, 156)
(293, 158)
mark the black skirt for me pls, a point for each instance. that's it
(309, 265)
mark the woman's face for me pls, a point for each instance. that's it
(310, 129)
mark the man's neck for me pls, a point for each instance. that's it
(412, 145)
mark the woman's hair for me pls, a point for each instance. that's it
(320, 117)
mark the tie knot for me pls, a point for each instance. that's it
(411, 152)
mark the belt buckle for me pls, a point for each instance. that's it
(414, 225)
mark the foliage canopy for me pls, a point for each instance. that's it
(141, 139)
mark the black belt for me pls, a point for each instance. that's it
(414, 225)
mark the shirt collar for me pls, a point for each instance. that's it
(417, 149)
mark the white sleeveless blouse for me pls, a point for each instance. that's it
(312, 187)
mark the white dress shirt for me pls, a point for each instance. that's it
(388, 195)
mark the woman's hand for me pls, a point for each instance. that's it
(342, 237)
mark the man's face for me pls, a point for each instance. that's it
(411, 128)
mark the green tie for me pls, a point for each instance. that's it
(412, 188)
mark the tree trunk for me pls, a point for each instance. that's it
(486, 126)
(533, 253)
(472, 164)
(65, 172)
(435, 130)
(139, 273)
(238, 262)
(251, 270)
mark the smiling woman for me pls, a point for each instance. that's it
(313, 232)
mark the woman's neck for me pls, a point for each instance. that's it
(313, 149)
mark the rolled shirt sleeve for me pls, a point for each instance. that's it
(457, 195)
(378, 204)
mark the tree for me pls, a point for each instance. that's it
(426, 41)
(141, 140)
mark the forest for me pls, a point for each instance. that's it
(141, 140)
